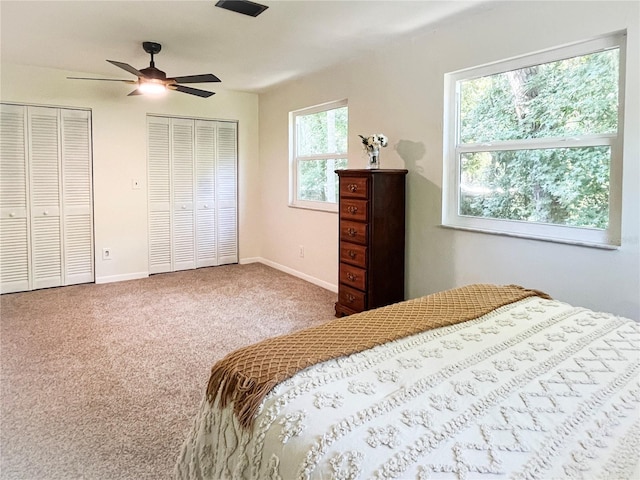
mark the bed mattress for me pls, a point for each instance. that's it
(537, 389)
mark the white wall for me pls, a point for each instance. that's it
(398, 91)
(119, 156)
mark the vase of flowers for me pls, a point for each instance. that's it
(372, 145)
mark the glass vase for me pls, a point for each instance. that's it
(374, 159)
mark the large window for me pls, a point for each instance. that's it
(318, 148)
(533, 145)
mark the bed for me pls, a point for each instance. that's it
(529, 388)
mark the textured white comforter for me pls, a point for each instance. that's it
(537, 389)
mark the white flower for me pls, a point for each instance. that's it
(374, 142)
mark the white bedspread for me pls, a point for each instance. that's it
(537, 390)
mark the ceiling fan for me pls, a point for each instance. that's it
(152, 80)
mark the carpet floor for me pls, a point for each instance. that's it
(103, 381)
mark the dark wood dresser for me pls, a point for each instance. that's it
(372, 226)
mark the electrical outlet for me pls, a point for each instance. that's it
(106, 254)
(301, 251)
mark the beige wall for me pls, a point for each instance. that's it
(398, 91)
(119, 156)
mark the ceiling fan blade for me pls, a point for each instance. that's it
(127, 67)
(102, 79)
(205, 77)
(191, 91)
(135, 92)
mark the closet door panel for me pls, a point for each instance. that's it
(44, 167)
(205, 237)
(227, 241)
(14, 226)
(159, 242)
(47, 252)
(227, 193)
(77, 197)
(78, 248)
(183, 246)
(183, 194)
(205, 154)
(159, 171)
(14, 253)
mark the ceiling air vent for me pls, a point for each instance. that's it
(242, 6)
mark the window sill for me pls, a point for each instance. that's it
(333, 208)
(576, 243)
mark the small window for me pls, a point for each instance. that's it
(533, 145)
(318, 137)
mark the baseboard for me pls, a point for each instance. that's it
(122, 278)
(316, 281)
(245, 261)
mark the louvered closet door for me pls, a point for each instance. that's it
(14, 225)
(182, 136)
(192, 193)
(227, 193)
(159, 170)
(46, 236)
(77, 196)
(205, 151)
(46, 228)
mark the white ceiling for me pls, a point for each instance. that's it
(290, 39)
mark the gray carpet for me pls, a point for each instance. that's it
(102, 381)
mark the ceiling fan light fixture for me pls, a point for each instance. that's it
(149, 87)
(153, 81)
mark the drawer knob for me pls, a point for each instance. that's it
(351, 276)
(351, 232)
(12, 214)
(351, 254)
(352, 187)
(350, 298)
(352, 209)
(46, 212)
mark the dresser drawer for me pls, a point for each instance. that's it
(354, 232)
(355, 187)
(353, 276)
(351, 298)
(351, 209)
(353, 254)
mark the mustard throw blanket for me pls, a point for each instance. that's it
(245, 376)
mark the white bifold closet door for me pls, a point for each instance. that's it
(46, 210)
(192, 167)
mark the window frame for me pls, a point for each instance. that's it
(453, 151)
(294, 159)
